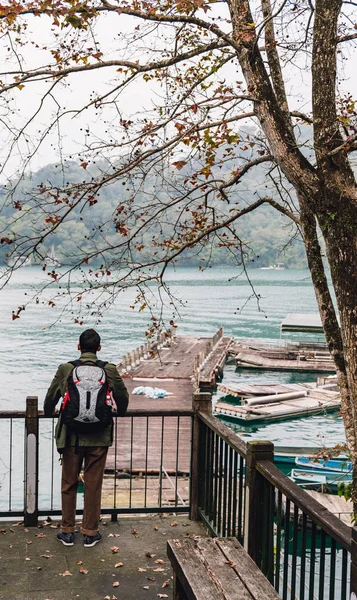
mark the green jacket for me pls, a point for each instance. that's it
(57, 390)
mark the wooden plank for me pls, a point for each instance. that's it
(188, 567)
(254, 580)
(224, 574)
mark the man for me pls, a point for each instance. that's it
(89, 447)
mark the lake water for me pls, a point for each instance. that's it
(33, 346)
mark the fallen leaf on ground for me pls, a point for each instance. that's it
(12, 530)
(119, 564)
(156, 527)
(26, 530)
(146, 587)
(159, 561)
(149, 555)
(141, 570)
(27, 558)
(162, 595)
(65, 573)
(40, 535)
(84, 571)
(134, 532)
(159, 570)
(113, 534)
(174, 523)
(46, 555)
(3, 531)
(114, 549)
(102, 560)
(116, 584)
(166, 583)
(152, 578)
(79, 562)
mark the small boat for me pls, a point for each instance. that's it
(277, 267)
(339, 465)
(315, 479)
(51, 259)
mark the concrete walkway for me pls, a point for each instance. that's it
(35, 566)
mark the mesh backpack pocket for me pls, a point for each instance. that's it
(87, 404)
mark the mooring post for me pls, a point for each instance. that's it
(201, 402)
(353, 583)
(259, 512)
(31, 462)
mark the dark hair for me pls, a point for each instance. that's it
(89, 340)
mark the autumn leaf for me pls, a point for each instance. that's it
(179, 164)
(159, 561)
(79, 562)
(162, 595)
(65, 574)
(174, 523)
(117, 565)
(84, 571)
(116, 584)
(159, 570)
(114, 549)
(141, 570)
(149, 555)
(166, 583)
(46, 555)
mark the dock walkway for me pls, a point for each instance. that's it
(182, 366)
(252, 355)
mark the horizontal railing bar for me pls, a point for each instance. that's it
(129, 413)
(225, 433)
(331, 524)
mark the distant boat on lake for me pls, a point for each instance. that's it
(277, 267)
(51, 259)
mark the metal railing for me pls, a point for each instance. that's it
(305, 551)
(176, 461)
(147, 470)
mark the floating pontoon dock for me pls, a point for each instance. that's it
(281, 402)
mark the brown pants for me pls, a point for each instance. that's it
(94, 463)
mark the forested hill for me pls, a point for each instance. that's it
(269, 237)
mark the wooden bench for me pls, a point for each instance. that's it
(216, 569)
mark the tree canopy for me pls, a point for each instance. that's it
(195, 97)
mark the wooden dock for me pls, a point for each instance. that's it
(182, 366)
(251, 355)
(273, 402)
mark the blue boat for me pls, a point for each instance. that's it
(340, 465)
(328, 481)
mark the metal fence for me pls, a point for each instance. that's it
(147, 470)
(191, 462)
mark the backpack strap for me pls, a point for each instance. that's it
(101, 363)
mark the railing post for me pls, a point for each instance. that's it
(258, 512)
(353, 584)
(201, 402)
(31, 462)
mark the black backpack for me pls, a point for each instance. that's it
(87, 404)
